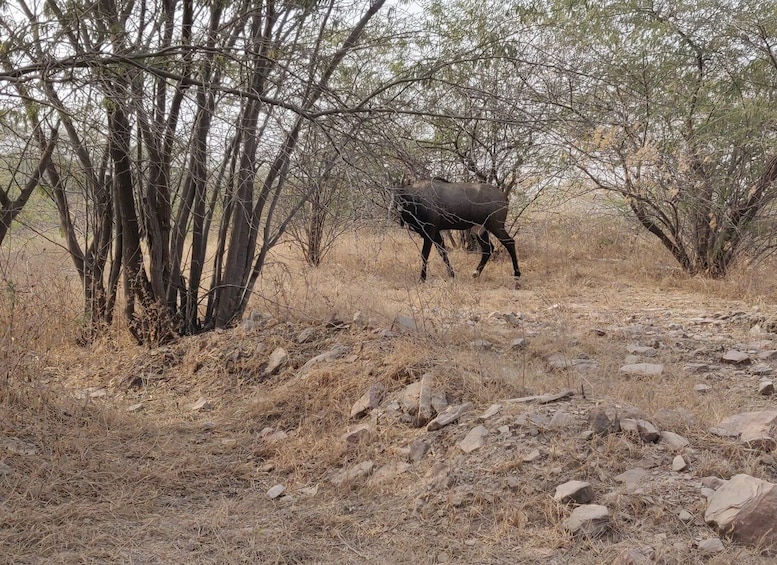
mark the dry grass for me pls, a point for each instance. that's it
(83, 480)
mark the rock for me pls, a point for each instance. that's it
(405, 323)
(418, 450)
(306, 335)
(475, 439)
(356, 435)
(278, 359)
(761, 369)
(635, 556)
(710, 546)
(642, 369)
(356, 472)
(736, 357)
(359, 320)
(519, 343)
(561, 420)
(588, 520)
(632, 478)
(543, 398)
(579, 492)
(425, 411)
(331, 355)
(492, 411)
(679, 464)
(604, 420)
(702, 388)
(644, 429)
(481, 345)
(766, 388)
(448, 416)
(531, 456)
(369, 400)
(673, 441)
(744, 508)
(684, 515)
(202, 405)
(276, 491)
(642, 350)
(712, 482)
(389, 471)
(755, 429)
(135, 407)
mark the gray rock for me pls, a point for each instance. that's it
(755, 429)
(475, 439)
(588, 520)
(278, 359)
(356, 435)
(276, 491)
(331, 355)
(425, 411)
(744, 508)
(673, 441)
(306, 335)
(448, 416)
(481, 344)
(492, 411)
(405, 323)
(644, 429)
(604, 420)
(519, 343)
(418, 450)
(710, 546)
(579, 492)
(353, 473)
(531, 456)
(642, 369)
(679, 464)
(766, 388)
(632, 478)
(369, 400)
(202, 405)
(684, 515)
(736, 357)
(702, 388)
(561, 420)
(642, 350)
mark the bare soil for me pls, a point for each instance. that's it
(103, 459)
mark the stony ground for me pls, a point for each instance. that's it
(309, 441)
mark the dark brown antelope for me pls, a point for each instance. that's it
(429, 206)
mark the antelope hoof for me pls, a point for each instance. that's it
(475, 274)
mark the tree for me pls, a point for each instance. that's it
(671, 107)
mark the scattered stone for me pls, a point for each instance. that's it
(696, 368)
(359, 320)
(632, 478)
(676, 418)
(306, 335)
(561, 420)
(702, 388)
(425, 411)
(736, 357)
(308, 491)
(276, 491)
(684, 515)
(644, 429)
(673, 441)
(356, 472)
(579, 492)
(744, 508)
(475, 439)
(135, 407)
(761, 369)
(642, 350)
(766, 388)
(767, 355)
(710, 546)
(604, 420)
(356, 435)
(369, 400)
(202, 405)
(448, 416)
(405, 323)
(418, 450)
(331, 355)
(588, 520)
(531, 456)
(519, 343)
(544, 398)
(492, 411)
(278, 359)
(712, 482)
(642, 369)
(389, 471)
(275, 436)
(755, 429)
(679, 464)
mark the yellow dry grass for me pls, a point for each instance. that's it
(83, 480)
